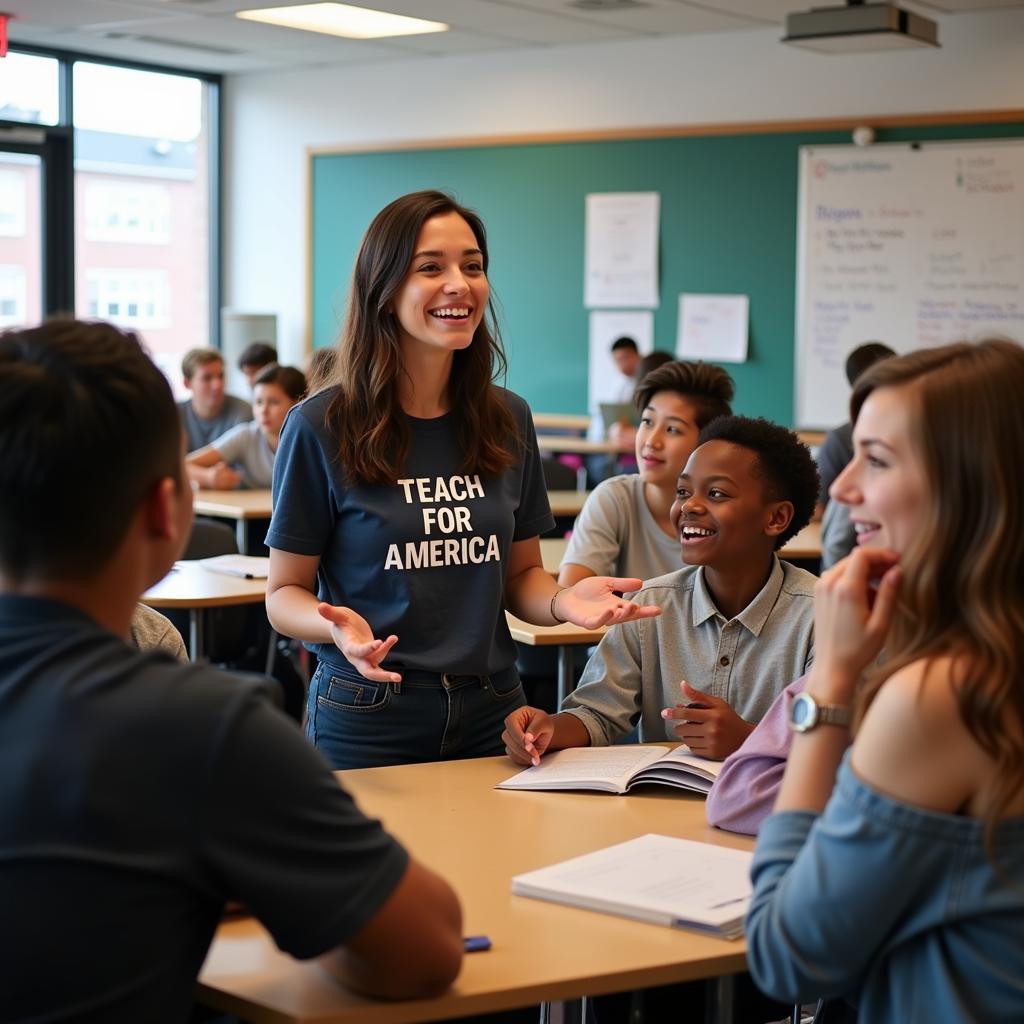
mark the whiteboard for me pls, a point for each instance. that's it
(909, 244)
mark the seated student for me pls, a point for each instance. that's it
(894, 873)
(837, 448)
(625, 528)
(250, 446)
(139, 794)
(255, 358)
(737, 623)
(151, 631)
(209, 412)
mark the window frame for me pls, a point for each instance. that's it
(55, 145)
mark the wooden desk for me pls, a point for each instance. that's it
(478, 838)
(563, 444)
(192, 586)
(567, 503)
(238, 505)
(565, 637)
(805, 546)
(543, 421)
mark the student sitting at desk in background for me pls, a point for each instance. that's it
(140, 794)
(255, 358)
(737, 622)
(244, 456)
(209, 412)
(893, 872)
(625, 528)
(408, 505)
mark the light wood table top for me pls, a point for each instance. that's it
(806, 545)
(560, 421)
(552, 636)
(233, 504)
(564, 444)
(567, 503)
(191, 585)
(453, 819)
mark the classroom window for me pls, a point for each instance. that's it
(127, 211)
(13, 296)
(29, 89)
(13, 201)
(137, 299)
(142, 201)
(21, 247)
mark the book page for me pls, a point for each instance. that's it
(578, 766)
(688, 761)
(677, 880)
(250, 567)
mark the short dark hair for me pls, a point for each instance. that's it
(706, 386)
(257, 353)
(651, 361)
(864, 356)
(289, 379)
(196, 357)
(783, 459)
(83, 412)
(624, 342)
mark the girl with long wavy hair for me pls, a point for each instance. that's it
(408, 502)
(895, 875)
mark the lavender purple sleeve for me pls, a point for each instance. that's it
(744, 792)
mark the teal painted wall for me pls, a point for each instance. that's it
(728, 224)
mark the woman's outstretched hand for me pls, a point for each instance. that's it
(592, 602)
(352, 636)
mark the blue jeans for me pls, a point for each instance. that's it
(428, 716)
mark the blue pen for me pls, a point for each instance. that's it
(476, 943)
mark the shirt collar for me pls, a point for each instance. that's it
(755, 615)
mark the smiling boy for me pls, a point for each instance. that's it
(737, 624)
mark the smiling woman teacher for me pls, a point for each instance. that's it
(408, 502)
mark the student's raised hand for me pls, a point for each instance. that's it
(853, 608)
(528, 733)
(352, 636)
(592, 602)
(707, 725)
(223, 478)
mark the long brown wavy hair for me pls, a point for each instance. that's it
(365, 414)
(962, 594)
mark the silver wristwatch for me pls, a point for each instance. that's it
(805, 714)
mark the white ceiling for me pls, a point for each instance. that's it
(203, 35)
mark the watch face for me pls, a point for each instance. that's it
(802, 714)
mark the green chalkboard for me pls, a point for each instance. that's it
(728, 225)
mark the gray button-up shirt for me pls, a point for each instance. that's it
(746, 661)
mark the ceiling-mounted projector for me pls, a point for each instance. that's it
(859, 26)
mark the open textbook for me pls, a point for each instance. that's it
(653, 878)
(617, 769)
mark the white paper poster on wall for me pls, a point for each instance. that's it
(605, 383)
(713, 328)
(621, 264)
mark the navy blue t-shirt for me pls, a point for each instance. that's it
(424, 558)
(138, 795)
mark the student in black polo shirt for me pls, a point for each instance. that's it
(138, 794)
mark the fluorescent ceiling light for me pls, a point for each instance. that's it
(343, 20)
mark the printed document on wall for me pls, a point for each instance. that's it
(622, 249)
(713, 327)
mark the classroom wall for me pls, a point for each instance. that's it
(271, 118)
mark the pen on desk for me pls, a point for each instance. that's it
(476, 943)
